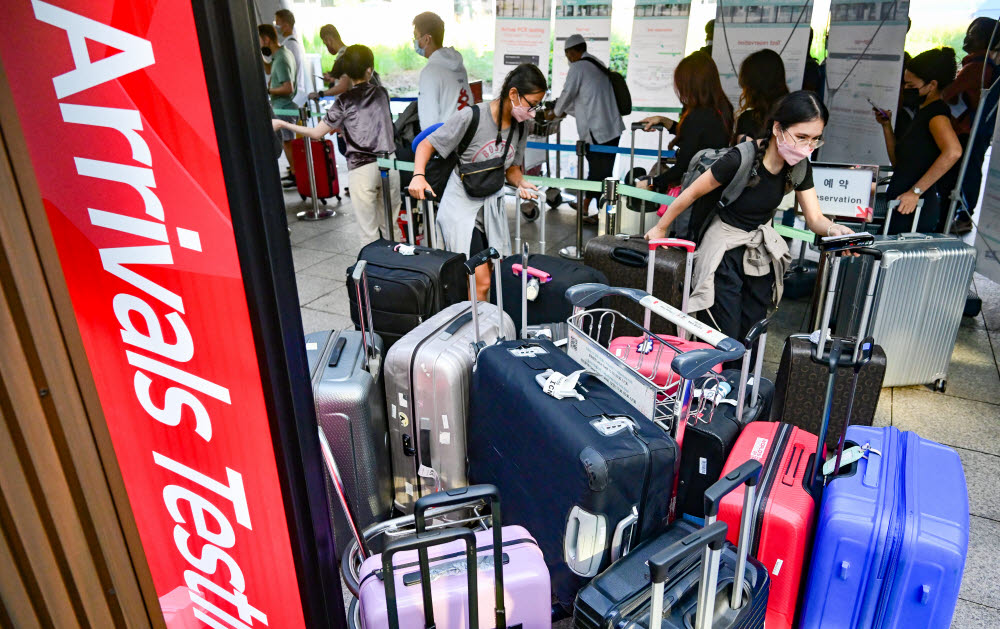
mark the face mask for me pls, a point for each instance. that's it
(520, 112)
(264, 50)
(417, 48)
(793, 154)
(911, 97)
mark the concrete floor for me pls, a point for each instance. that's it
(966, 418)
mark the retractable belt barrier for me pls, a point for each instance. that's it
(613, 191)
(597, 148)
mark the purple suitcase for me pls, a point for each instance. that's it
(397, 600)
(891, 536)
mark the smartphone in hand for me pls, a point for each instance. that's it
(877, 109)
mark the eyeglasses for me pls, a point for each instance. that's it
(531, 108)
(813, 144)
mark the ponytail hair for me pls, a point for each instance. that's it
(526, 79)
(795, 108)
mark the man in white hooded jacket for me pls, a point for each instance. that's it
(444, 83)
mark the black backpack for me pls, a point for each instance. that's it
(623, 98)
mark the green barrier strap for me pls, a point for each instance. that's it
(295, 112)
(645, 195)
(394, 164)
(794, 233)
(566, 184)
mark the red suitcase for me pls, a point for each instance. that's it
(782, 528)
(324, 166)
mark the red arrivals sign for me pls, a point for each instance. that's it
(113, 102)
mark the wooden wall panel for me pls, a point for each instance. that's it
(65, 525)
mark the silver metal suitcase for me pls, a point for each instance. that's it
(350, 409)
(427, 381)
(924, 283)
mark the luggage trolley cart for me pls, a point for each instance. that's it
(667, 401)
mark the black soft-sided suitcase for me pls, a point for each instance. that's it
(710, 436)
(622, 595)
(550, 306)
(624, 261)
(588, 478)
(408, 289)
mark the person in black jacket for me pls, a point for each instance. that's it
(706, 121)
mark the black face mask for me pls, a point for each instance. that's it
(911, 97)
(265, 51)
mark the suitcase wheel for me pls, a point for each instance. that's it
(303, 197)
(323, 201)
(338, 201)
(940, 385)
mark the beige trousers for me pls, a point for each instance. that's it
(366, 199)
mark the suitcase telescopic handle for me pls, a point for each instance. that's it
(471, 265)
(864, 350)
(892, 205)
(746, 474)
(661, 565)
(421, 542)
(757, 333)
(464, 496)
(674, 243)
(360, 277)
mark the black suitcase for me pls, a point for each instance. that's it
(625, 260)
(407, 288)
(710, 434)
(588, 478)
(550, 305)
(623, 595)
(800, 385)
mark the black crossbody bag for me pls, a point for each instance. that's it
(485, 178)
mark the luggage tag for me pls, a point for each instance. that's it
(405, 250)
(850, 456)
(558, 385)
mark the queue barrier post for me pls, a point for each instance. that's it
(315, 213)
(576, 252)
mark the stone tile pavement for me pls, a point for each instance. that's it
(966, 417)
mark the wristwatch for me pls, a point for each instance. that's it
(917, 191)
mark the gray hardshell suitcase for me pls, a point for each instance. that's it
(347, 391)
(427, 380)
(924, 283)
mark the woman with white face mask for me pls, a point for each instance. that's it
(741, 261)
(471, 214)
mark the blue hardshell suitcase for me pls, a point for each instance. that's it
(891, 536)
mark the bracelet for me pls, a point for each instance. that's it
(417, 175)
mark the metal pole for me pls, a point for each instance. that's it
(314, 214)
(610, 193)
(387, 200)
(411, 235)
(541, 227)
(431, 227)
(571, 252)
(956, 194)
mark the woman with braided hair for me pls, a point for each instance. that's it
(741, 262)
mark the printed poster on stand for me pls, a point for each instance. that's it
(659, 36)
(988, 219)
(743, 27)
(589, 18)
(522, 36)
(865, 62)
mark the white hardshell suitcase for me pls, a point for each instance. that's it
(924, 282)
